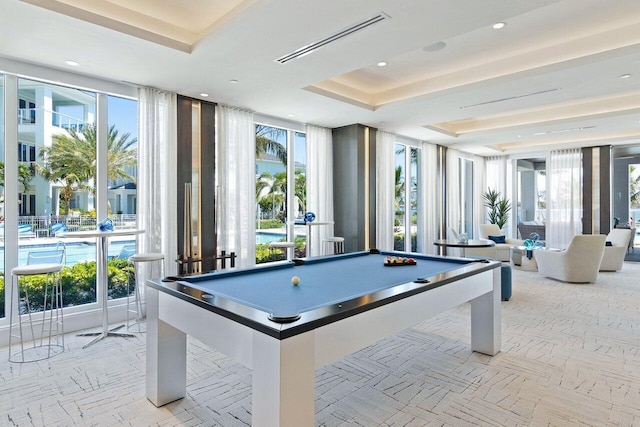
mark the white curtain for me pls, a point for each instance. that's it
(428, 226)
(385, 189)
(564, 200)
(157, 174)
(236, 183)
(479, 187)
(496, 174)
(452, 176)
(320, 183)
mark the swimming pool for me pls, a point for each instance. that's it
(86, 251)
(75, 251)
(269, 236)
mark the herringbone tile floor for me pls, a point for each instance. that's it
(571, 357)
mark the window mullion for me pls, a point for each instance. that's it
(290, 196)
(407, 198)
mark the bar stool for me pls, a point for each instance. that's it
(281, 245)
(39, 263)
(136, 260)
(335, 241)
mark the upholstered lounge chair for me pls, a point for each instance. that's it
(614, 255)
(499, 252)
(579, 263)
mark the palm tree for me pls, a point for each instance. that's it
(71, 160)
(266, 142)
(301, 189)
(271, 191)
(399, 187)
(634, 187)
(263, 183)
(24, 176)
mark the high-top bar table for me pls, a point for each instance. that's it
(471, 243)
(102, 244)
(308, 225)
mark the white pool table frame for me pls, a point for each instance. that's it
(284, 369)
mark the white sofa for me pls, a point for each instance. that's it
(501, 251)
(579, 263)
(614, 255)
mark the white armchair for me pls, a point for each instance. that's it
(579, 263)
(614, 255)
(499, 252)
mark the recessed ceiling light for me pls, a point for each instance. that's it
(434, 47)
(499, 25)
(291, 115)
(71, 63)
(204, 95)
(382, 64)
(234, 81)
(625, 76)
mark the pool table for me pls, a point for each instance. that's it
(283, 332)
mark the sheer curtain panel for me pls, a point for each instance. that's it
(564, 201)
(496, 171)
(496, 174)
(479, 187)
(236, 183)
(320, 182)
(385, 191)
(452, 185)
(157, 155)
(428, 200)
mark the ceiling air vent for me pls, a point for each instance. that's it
(510, 98)
(305, 50)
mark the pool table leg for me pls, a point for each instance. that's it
(283, 380)
(166, 356)
(486, 324)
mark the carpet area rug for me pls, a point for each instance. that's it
(570, 357)
(633, 256)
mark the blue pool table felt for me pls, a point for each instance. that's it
(323, 281)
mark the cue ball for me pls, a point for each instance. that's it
(295, 280)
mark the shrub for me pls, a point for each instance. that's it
(398, 241)
(263, 254)
(78, 284)
(271, 223)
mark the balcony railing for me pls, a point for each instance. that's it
(28, 116)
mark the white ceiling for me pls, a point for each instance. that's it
(553, 71)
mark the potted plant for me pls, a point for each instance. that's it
(499, 208)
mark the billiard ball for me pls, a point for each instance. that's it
(295, 280)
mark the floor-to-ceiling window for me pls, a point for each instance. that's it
(406, 198)
(466, 196)
(300, 174)
(531, 192)
(122, 162)
(634, 195)
(281, 192)
(271, 191)
(626, 188)
(2, 287)
(54, 140)
(399, 201)
(59, 124)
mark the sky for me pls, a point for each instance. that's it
(124, 114)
